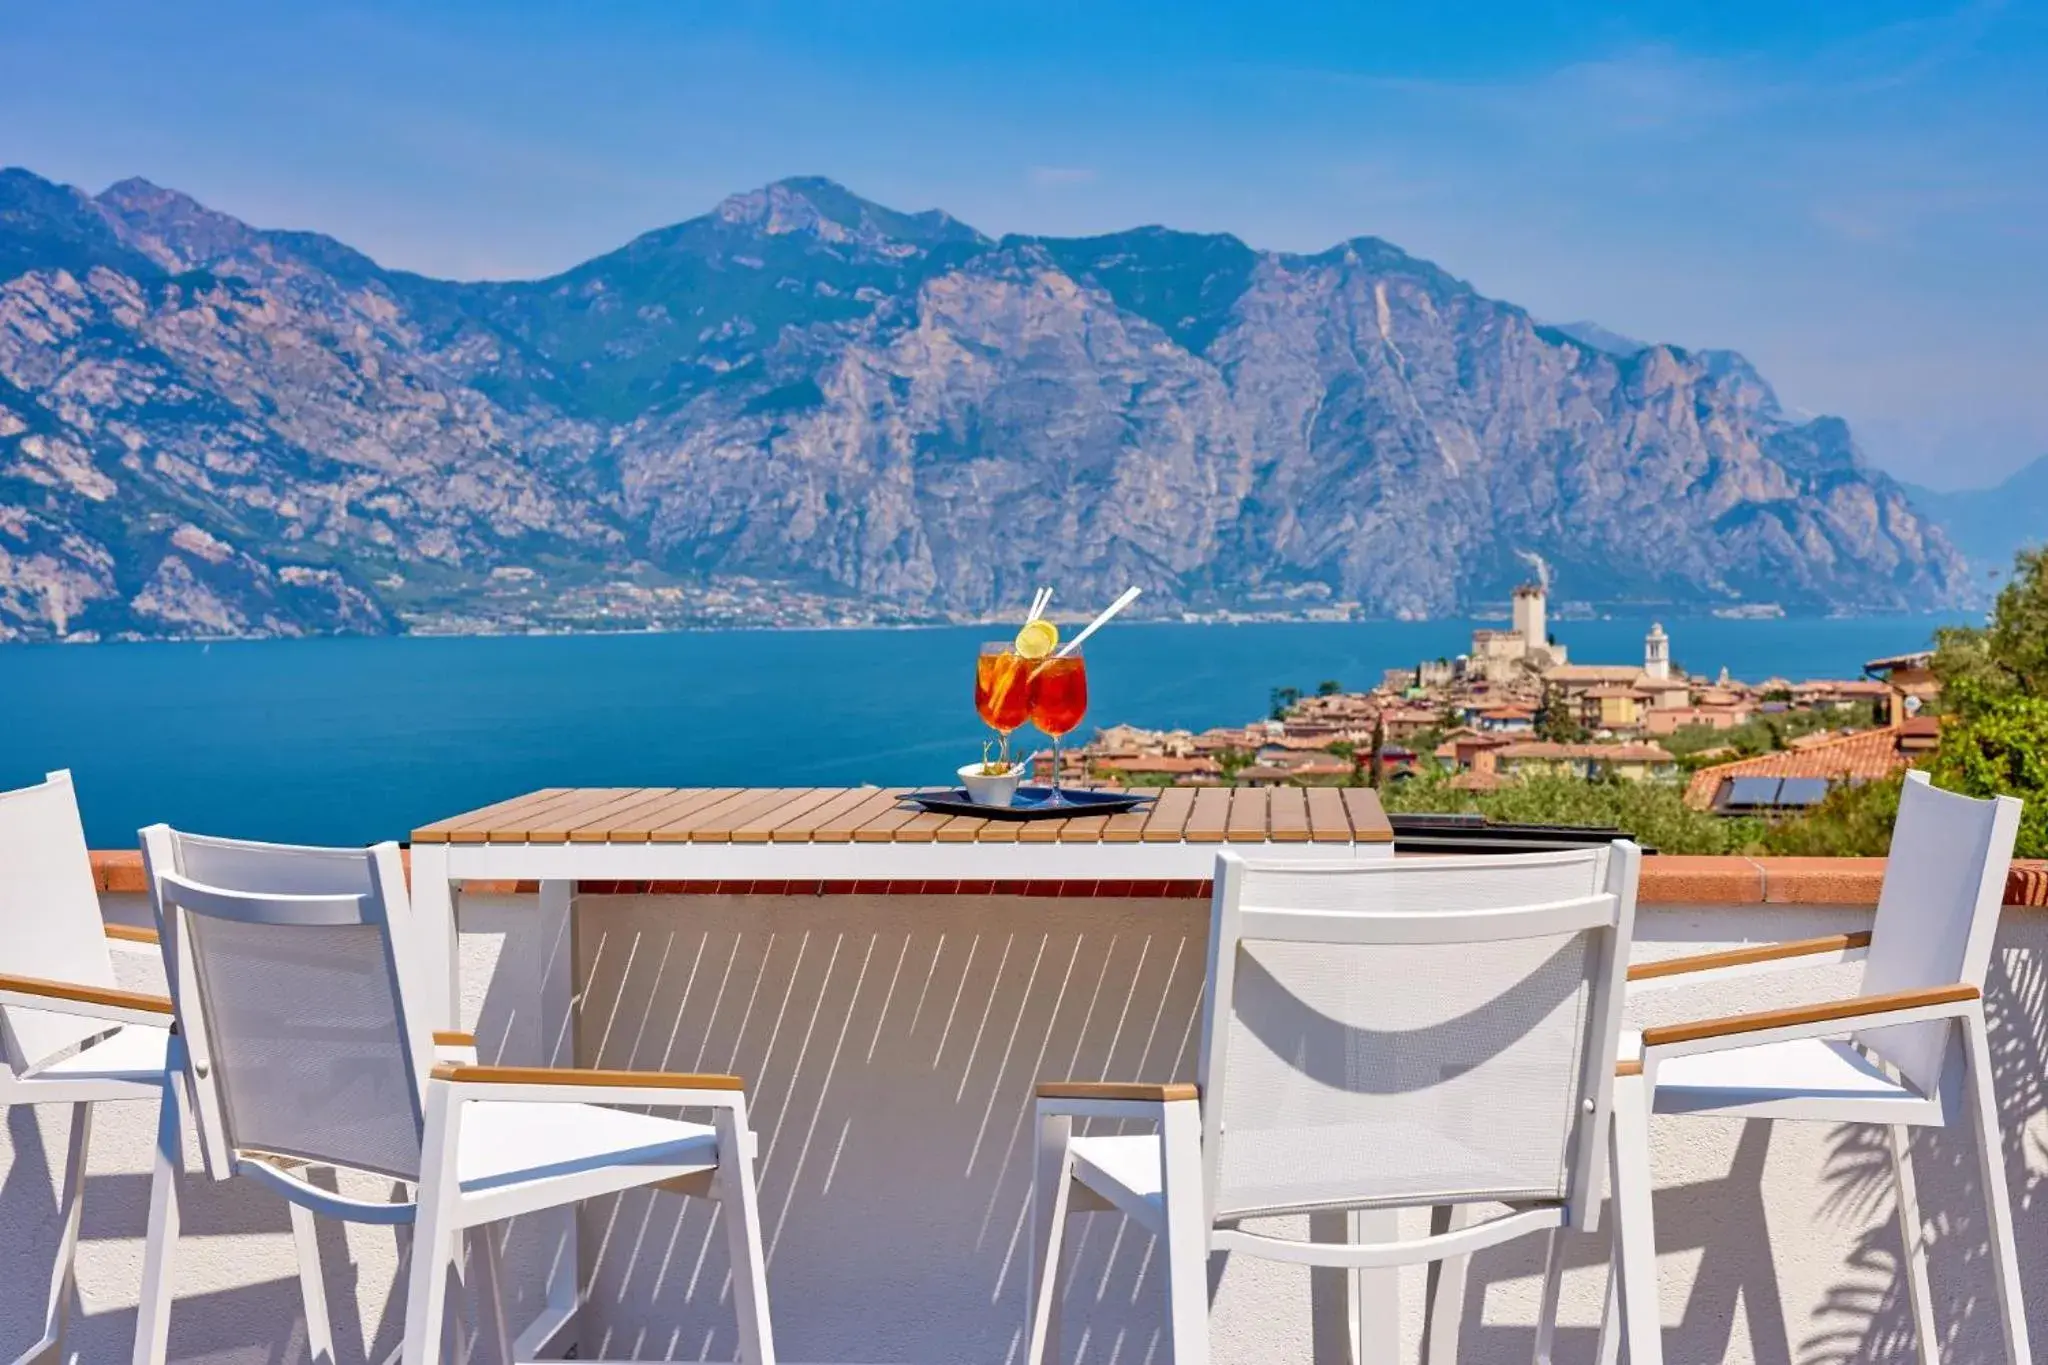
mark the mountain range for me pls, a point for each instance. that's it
(804, 407)
(1990, 525)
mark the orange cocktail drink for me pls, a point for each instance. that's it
(1002, 690)
(1059, 694)
(1059, 698)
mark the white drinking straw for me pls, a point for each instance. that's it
(1039, 600)
(1130, 596)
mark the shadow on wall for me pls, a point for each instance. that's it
(891, 1066)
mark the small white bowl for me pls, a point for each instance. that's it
(991, 790)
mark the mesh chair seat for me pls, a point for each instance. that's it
(506, 1143)
(135, 1053)
(1803, 1068)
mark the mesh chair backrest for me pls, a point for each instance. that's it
(1434, 1031)
(50, 925)
(287, 968)
(1944, 883)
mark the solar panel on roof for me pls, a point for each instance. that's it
(1803, 791)
(1752, 791)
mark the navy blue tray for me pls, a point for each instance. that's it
(1030, 804)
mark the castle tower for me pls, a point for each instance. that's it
(1529, 623)
(1656, 653)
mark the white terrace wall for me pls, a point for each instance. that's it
(890, 1046)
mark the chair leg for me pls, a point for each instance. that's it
(64, 1271)
(1051, 1189)
(488, 1298)
(1608, 1351)
(742, 1215)
(1553, 1288)
(1444, 1296)
(167, 1170)
(1187, 1233)
(312, 1281)
(2012, 1306)
(1913, 1241)
(435, 1234)
(1634, 1221)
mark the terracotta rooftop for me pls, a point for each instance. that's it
(1592, 673)
(1605, 753)
(1157, 763)
(1863, 756)
(1303, 743)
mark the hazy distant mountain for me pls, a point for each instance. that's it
(812, 405)
(1990, 524)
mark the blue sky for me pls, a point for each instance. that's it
(1855, 195)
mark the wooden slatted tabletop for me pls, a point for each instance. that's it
(881, 815)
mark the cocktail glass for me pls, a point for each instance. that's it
(1059, 698)
(1002, 691)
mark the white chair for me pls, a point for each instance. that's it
(296, 986)
(69, 1035)
(1909, 1051)
(1434, 1033)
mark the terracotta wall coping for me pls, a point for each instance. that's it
(1667, 880)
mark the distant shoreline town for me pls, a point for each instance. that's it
(1517, 706)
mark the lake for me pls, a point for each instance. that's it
(350, 740)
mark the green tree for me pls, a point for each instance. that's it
(2008, 657)
(1232, 762)
(1854, 821)
(1654, 813)
(2001, 749)
(1557, 719)
(1350, 753)
(1995, 692)
(1283, 700)
(1329, 687)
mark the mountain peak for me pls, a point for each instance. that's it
(171, 227)
(47, 225)
(138, 189)
(811, 205)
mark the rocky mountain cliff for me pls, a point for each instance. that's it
(805, 406)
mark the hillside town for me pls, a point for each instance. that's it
(1518, 706)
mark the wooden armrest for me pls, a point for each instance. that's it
(131, 933)
(564, 1075)
(86, 995)
(446, 1038)
(1118, 1090)
(1745, 957)
(1633, 1067)
(1763, 1020)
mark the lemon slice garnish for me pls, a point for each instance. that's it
(1039, 638)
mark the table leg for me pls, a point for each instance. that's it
(1375, 1294)
(1356, 1313)
(433, 911)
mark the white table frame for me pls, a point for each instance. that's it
(1366, 1315)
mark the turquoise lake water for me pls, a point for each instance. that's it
(348, 741)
